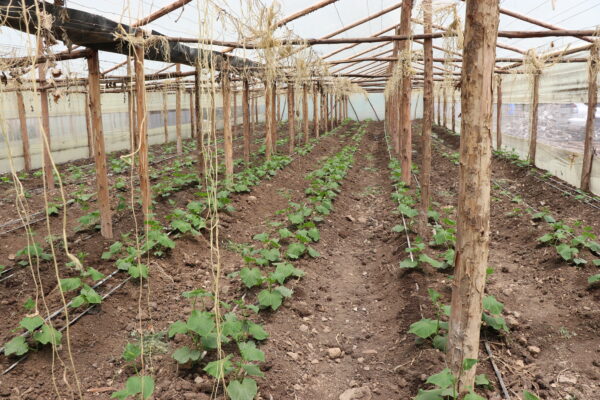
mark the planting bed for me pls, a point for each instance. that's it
(340, 299)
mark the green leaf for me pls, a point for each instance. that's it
(296, 218)
(244, 390)
(184, 354)
(435, 394)
(68, 284)
(443, 380)
(137, 271)
(261, 237)
(469, 363)
(566, 252)
(546, 238)
(434, 263)
(78, 301)
(285, 292)
(219, 368)
(492, 305)
(596, 262)
(529, 396)
(398, 228)
(48, 335)
(295, 250)
(135, 385)
(434, 295)
(594, 278)
(408, 263)
(201, 322)
(17, 346)
(285, 233)
(313, 253)
(267, 298)
(252, 370)
(251, 277)
(250, 352)
(482, 380)
(497, 323)
(407, 211)
(257, 331)
(31, 323)
(440, 342)
(424, 328)
(91, 296)
(132, 352)
(473, 396)
(284, 271)
(94, 274)
(314, 234)
(177, 327)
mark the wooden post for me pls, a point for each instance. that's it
(274, 124)
(473, 225)
(165, 116)
(234, 112)
(316, 110)
(133, 134)
(227, 137)
(95, 106)
(24, 132)
(405, 98)
(291, 117)
(277, 108)
(445, 106)
(325, 112)
(252, 113)
(192, 115)
(534, 117)
(178, 112)
(499, 113)
(588, 148)
(439, 108)
(142, 128)
(268, 121)
(88, 126)
(454, 109)
(45, 137)
(246, 119)
(427, 119)
(305, 118)
(255, 111)
(200, 118)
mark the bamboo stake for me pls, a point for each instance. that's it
(160, 13)
(24, 132)
(473, 225)
(46, 143)
(499, 114)
(178, 113)
(234, 112)
(534, 118)
(227, 137)
(304, 12)
(427, 120)
(246, 120)
(142, 129)
(588, 148)
(273, 117)
(95, 107)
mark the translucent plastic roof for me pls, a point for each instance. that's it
(220, 19)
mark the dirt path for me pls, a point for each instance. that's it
(344, 331)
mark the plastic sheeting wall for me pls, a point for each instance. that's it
(68, 132)
(562, 113)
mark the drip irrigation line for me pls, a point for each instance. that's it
(497, 372)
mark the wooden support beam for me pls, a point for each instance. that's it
(355, 44)
(405, 130)
(268, 121)
(454, 109)
(63, 56)
(165, 114)
(95, 106)
(200, 118)
(246, 119)
(316, 110)
(534, 118)
(273, 117)
(160, 13)
(142, 128)
(179, 138)
(473, 224)
(131, 104)
(45, 124)
(499, 113)
(445, 107)
(305, 118)
(88, 126)
(291, 117)
(427, 122)
(192, 115)
(24, 132)
(364, 20)
(588, 143)
(227, 136)
(304, 12)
